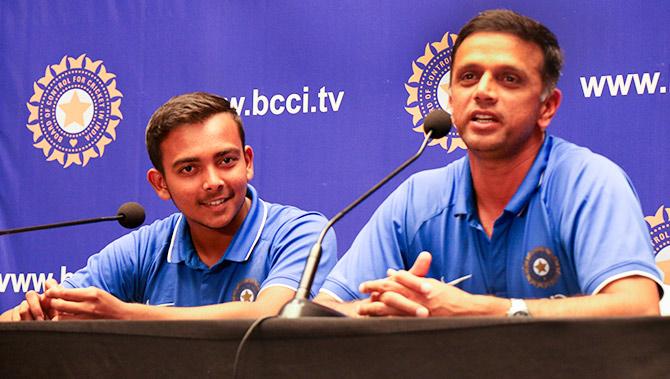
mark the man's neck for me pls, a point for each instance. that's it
(211, 244)
(495, 181)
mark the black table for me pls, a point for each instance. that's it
(341, 348)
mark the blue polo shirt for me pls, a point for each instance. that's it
(573, 226)
(158, 265)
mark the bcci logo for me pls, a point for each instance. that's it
(428, 88)
(74, 111)
(246, 290)
(659, 228)
(542, 267)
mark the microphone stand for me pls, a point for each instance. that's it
(130, 215)
(60, 224)
(300, 306)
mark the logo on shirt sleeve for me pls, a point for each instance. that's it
(541, 267)
(246, 290)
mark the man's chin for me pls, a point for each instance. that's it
(214, 225)
(483, 144)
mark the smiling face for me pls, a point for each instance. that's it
(206, 171)
(497, 95)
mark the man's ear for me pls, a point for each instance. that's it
(549, 107)
(249, 160)
(157, 181)
(450, 105)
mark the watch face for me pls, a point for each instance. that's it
(518, 308)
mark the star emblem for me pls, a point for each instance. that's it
(541, 267)
(74, 110)
(247, 296)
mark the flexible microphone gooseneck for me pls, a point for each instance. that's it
(436, 125)
(130, 215)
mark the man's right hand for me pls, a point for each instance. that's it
(420, 268)
(35, 307)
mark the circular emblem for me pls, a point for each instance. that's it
(74, 111)
(659, 230)
(428, 86)
(246, 290)
(542, 267)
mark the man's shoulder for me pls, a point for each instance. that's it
(578, 172)
(281, 215)
(163, 225)
(285, 211)
(569, 159)
(159, 231)
(450, 171)
(437, 184)
(428, 193)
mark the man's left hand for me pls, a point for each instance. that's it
(85, 303)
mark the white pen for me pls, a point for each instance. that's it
(459, 280)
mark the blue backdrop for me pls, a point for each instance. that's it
(330, 94)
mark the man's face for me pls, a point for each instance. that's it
(206, 173)
(496, 92)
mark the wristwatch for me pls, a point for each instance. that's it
(518, 309)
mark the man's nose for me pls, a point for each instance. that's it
(485, 90)
(212, 180)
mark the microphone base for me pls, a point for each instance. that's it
(298, 308)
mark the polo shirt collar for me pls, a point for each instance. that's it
(250, 232)
(533, 180)
(465, 195)
(181, 247)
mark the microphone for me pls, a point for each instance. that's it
(436, 125)
(130, 215)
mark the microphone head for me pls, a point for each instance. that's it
(439, 121)
(131, 215)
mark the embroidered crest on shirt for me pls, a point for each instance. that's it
(246, 290)
(541, 267)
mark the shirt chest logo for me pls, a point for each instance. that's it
(246, 290)
(541, 267)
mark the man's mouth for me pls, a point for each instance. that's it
(213, 203)
(483, 118)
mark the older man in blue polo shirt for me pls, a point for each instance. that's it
(227, 254)
(525, 224)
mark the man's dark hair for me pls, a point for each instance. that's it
(184, 109)
(525, 28)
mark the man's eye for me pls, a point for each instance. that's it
(228, 160)
(468, 76)
(510, 78)
(187, 169)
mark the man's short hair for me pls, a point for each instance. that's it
(180, 110)
(525, 28)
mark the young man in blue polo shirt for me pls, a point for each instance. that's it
(227, 254)
(525, 224)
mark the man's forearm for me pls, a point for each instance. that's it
(601, 305)
(231, 310)
(93, 303)
(633, 296)
(407, 295)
